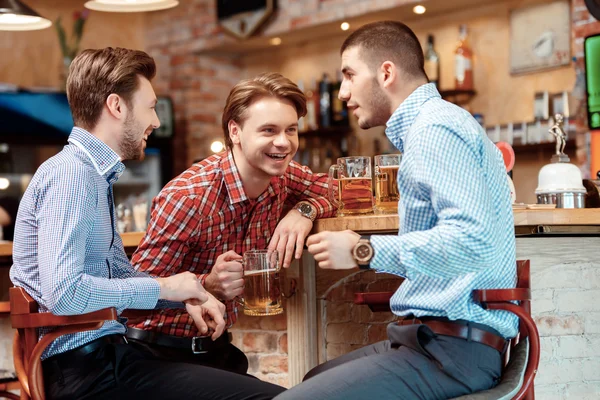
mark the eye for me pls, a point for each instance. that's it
(269, 130)
(292, 130)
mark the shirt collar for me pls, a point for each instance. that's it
(105, 160)
(405, 115)
(235, 186)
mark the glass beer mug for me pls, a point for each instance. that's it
(262, 289)
(354, 185)
(386, 183)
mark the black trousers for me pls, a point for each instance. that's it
(227, 357)
(122, 371)
(413, 364)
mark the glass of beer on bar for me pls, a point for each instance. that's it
(262, 290)
(354, 185)
(386, 183)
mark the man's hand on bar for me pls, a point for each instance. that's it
(333, 250)
(289, 234)
(208, 316)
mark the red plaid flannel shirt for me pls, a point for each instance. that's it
(205, 212)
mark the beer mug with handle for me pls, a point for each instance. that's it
(354, 185)
(262, 288)
(386, 183)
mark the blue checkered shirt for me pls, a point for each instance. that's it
(66, 253)
(456, 221)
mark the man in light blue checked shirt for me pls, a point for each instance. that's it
(456, 235)
(69, 258)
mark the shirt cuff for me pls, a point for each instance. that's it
(145, 293)
(387, 255)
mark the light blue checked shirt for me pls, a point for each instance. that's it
(456, 221)
(66, 253)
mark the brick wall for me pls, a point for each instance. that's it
(565, 283)
(348, 326)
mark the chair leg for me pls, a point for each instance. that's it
(530, 395)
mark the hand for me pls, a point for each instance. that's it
(290, 232)
(208, 317)
(333, 250)
(182, 287)
(226, 278)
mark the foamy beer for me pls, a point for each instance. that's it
(262, 290)
(354, 185)
(386, 183)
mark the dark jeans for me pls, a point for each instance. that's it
(228, 357)
(413, 364)
(122, 371)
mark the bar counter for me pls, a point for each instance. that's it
(584, 221)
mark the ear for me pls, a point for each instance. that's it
(116, 106)
(387, 74)
(234, 132)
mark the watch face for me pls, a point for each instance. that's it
(364, 252)
(305, 208)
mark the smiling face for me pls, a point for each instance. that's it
(266, 140)
(362, 91)
(140, 121)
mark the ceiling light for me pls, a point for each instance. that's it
(217, 146)
(276, 41)
(345, 26)
(16, 16)
(4, 183)
(130, 5)
(419, 9)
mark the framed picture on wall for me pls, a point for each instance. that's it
(540, 37)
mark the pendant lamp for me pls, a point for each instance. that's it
(130, 5)
(16, 16)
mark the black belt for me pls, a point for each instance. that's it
(197, 344)
(69, 357)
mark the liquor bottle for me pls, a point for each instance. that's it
(463, 62)
(432, 63)
(325, 102)
(312, 107)
(339, 108)
(302, 120)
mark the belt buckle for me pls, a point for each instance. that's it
(195, 341)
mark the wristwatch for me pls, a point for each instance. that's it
(306, 209)
(363, 253)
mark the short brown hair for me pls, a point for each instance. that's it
(269, 84)
(388, 40)
(96, 74)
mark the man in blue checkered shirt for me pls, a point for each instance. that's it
(69, 258)
(456, 235)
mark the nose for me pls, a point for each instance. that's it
(281, 140)
(155, 121)
(344, 93)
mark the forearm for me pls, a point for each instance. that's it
(443, 252)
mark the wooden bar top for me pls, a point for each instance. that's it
(389, 224)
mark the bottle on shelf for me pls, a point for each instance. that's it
(339, 108)
(432, 63)
(312, 107)
(302, 125)
(463, 62)
(325, 102)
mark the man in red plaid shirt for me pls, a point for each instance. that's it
(207, 217)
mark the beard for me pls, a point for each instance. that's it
(380, 105)
(131, 146)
